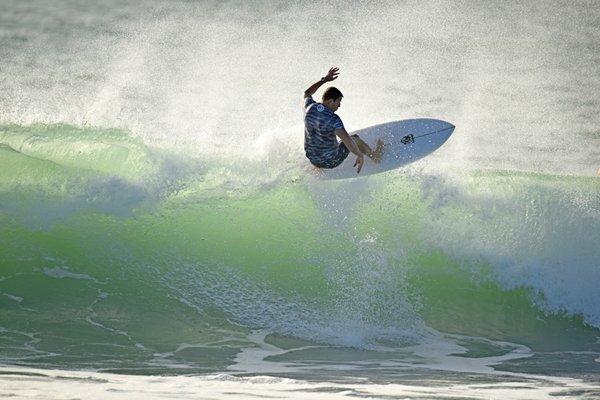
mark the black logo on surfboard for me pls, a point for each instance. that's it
(408, 139)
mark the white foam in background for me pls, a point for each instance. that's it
(533, 233)
(225, 80)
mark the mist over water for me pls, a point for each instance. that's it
(225, 79)
(158, 216)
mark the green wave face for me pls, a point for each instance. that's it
(117, 256)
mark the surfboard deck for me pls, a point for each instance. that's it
(405, 142)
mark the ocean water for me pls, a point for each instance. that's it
(161, 234)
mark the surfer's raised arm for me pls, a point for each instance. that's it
(331, 76)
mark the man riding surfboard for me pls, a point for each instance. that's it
(322, 125)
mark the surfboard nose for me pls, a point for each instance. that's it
(446, 124)
(437, 124)
(444, 127)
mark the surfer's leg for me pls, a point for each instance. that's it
(376, 154)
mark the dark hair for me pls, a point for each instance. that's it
(332, 93)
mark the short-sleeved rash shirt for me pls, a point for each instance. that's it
(320, 143)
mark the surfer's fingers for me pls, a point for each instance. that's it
(360, 165)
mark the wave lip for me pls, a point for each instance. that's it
(104, 150)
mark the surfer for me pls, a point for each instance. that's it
(322, 125)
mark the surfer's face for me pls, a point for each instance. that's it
(333, 105)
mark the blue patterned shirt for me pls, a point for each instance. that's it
(320, 142)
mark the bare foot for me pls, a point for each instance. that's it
(378, 152)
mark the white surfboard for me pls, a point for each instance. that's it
(405, 141)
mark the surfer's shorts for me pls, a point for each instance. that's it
(334, 160)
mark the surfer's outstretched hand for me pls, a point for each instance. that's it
(332, 74)
(360, 160)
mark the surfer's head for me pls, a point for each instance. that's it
(332, 98)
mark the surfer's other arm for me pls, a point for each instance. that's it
(331, 76)
(352, 146)
(356, 143)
